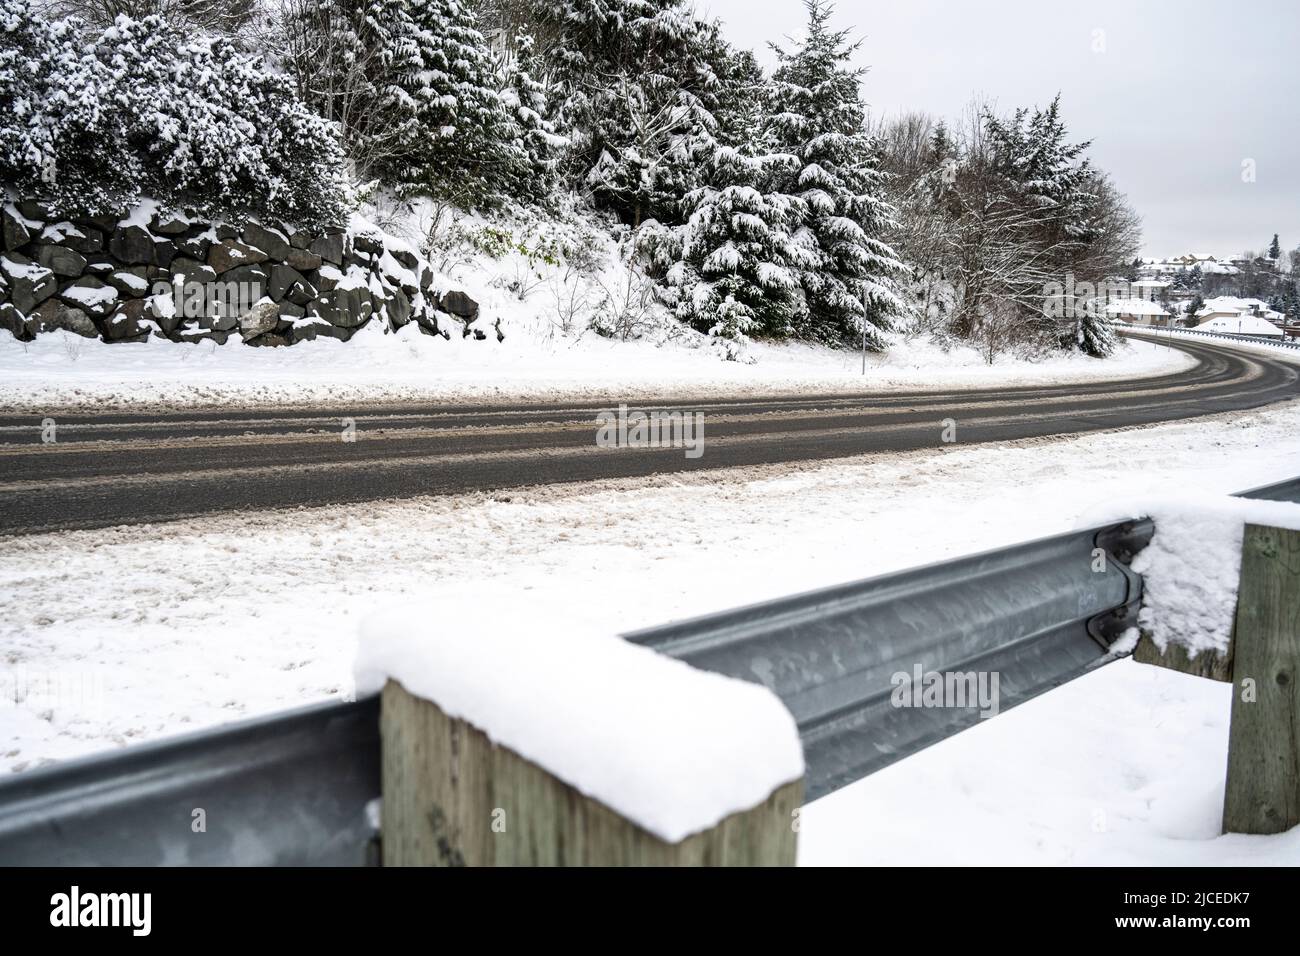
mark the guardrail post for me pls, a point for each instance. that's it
(1262, 793)
(453, 797)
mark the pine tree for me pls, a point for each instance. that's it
(413, 89)
(1044, 171)
(357, 63)
(1049, 195)
(528, 102)
(468, 147)
(738, 100)
(817, 117)
(941, 145)
(643, 86)
(740, 266)
(1092, 336)
(1274, 249)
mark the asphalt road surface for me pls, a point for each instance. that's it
(134, 468)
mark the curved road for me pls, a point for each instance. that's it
(120, 468)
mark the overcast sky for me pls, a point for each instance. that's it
(1181, 93)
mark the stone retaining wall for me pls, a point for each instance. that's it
(165, 274)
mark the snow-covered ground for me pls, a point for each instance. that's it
(534, 362)
(116, 636)
(1122, 767)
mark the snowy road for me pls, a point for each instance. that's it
(123, 468)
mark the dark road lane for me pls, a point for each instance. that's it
(123, 468)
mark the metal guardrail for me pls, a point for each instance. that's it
(1036, 614)
(295, 788)
(290, 788)
(1226, 336)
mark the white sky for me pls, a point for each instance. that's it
(1183, 93)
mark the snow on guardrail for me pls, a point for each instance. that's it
(672, 748)
(1192, 566)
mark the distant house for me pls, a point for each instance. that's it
(1241, 324)
(1231, 306)
(1208, 263)
(1138, 312)
(1231, 315)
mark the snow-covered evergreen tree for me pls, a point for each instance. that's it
(356, 63)
(1045, 171)
(637, 88)
(468, 147)
(528, 101)
(413, 89)
(817, 116)
(740, 265)
(1049, 195)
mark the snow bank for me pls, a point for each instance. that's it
(670, 747)
(532, 364)
(1191, 568)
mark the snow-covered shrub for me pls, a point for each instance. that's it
(61, 136)
(215, 129)
(628, 308)
(91, 124)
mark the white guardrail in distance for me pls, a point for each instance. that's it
(1196, 333)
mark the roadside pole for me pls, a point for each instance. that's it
(864, 330)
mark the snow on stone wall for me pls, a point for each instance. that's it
(166, 274)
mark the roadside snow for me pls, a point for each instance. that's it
(126, 634)
(668, 746)
(532, 363)
(1122, 767)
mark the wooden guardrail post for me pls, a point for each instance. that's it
(1262, 794)
(1262, 662)
(453, 797)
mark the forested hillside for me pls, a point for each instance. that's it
(750, 203)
